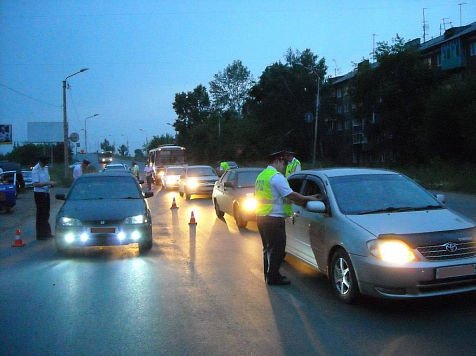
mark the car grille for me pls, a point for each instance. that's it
(440, 252)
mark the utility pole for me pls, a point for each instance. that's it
(425, 26)
(460, 17)
(373, 46)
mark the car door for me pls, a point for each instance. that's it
(292, 243)
(218, 190)
(228, 192)
(309, 227)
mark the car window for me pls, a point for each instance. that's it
(367, 193)
(311, 188)
(200, 172)
(296, 183)
(105, 188)
(230, 177)
(247, 179)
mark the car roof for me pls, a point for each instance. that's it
(341, 172)
(199, 167)
(115, 164)
(112, 173)
(248, 169)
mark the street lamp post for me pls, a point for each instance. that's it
(85, 133)
(65, 124)
(146, 137)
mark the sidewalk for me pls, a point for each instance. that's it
(24, 217)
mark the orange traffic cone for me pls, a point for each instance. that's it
(152, 186)
(18, 241)
(192, 220)
(174, 204)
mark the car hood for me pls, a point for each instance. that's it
(90, 210)
(204, 178)
(413, 222)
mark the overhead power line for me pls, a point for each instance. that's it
(30, 97)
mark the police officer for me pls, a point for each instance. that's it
(293, 164)
(135, 170)
(272, 192)
(41, 187)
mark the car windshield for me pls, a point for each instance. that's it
(115, 167)
(174, 171)
(371, 194)
(247, 179)
(200, 172)
(105, 188)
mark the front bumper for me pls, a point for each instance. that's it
(413, 280)
(200, 189)
(102, 236)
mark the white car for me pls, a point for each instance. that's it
(379, 233)
(117, 167)
(171, 176)
(197, 180)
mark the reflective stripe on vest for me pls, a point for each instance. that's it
(264, 196)
(291, 167)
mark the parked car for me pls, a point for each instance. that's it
(104, 209)
(116, 166)
(172, 176)
(197, 180)
(11, 166)
(8, 190)
(233, 194)
(27, 178)
(379, 233)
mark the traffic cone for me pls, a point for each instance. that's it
(18, 241)
(152, 186)
(174, 204)
(192, 220)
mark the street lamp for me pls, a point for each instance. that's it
(65, 124)
(317, 110)
(146, 137)
(85, 133)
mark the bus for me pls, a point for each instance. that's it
(105, 157)
(165, 155)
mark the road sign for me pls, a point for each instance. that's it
(74, 137)
(308, 117)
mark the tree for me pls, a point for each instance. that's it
(230, 88)
(106, 146)
(123, 150)
(138, 153)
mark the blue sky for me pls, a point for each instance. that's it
(141, 53)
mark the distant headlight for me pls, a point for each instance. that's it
(192, 183)
(171, 181)
(138, 219)
(161, 174)
(64, 221)
(393, 251)
(249, 204)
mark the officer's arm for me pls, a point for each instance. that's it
(302, 199)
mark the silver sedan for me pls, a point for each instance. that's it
(379, 233)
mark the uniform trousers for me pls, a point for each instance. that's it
(273, 235)
(43, 228)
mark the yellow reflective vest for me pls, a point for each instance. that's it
(264, 196)
(291, 167)
(225, 166)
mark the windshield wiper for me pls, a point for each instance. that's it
(392, 209)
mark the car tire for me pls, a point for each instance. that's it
(342, 277)
(239, 218)
(219, 213)
(145, 245)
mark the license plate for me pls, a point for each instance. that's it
(456, 271)
(2, 196)
(103, 230)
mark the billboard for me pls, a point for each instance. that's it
(39, 132)
(6, 134)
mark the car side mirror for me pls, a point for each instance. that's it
(316, 207)
(228, 184)
(148, 194)
(441, 198)
(60, 197)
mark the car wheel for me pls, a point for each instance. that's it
(342, 276)
(239, 219)
(181, 194)
(219, 213)
(145, 245)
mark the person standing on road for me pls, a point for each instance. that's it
(272, 192)
(79, 169)
(148, 171)
(135, 170)
(41, 187)
(293, 164)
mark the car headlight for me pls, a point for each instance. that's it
(161, 174)
(132, 220)
(192, 183)
(394, 251)
(171, 181)
(65, 221)
(249, 204)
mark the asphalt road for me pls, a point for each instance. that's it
(200, 291)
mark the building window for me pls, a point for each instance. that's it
(438, 60)
(339, 93)
(339, 126)
(347, 124)
(374, 118)
(356, 122)
(339, 109)
(355, 158)
(346, 107)
(356, 139)
(472, 49)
